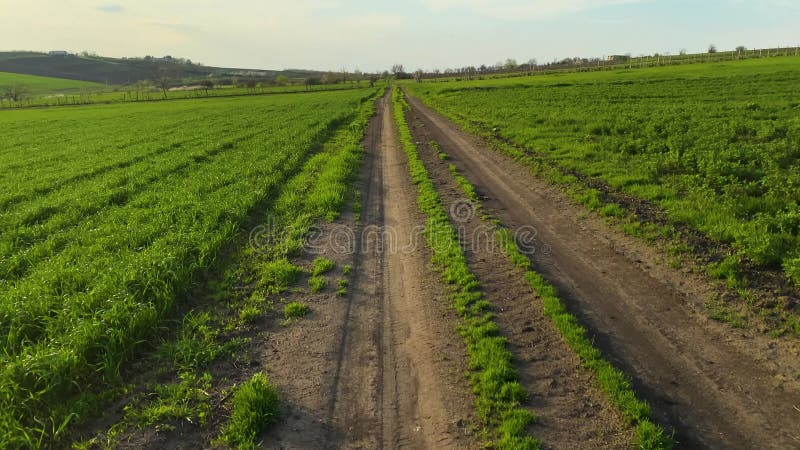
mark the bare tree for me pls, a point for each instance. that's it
(207, 84)
(398, 70)
(418, 75)
(163, 79)
(741, 49)
(712, 48)
(15, 93)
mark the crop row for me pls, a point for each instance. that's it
(79, 312)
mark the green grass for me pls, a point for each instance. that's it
(317, 283)
(46, 85)
(51, 92)
(498, 394)
(256, 406)
(103, 245)
(187, 400)
(465, 186)
(321, 266)
(728, 168)
(342, 286)
(295, 310)
(277, 275)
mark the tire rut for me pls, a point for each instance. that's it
(571, 411)
(711, 384)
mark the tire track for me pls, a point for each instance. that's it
(397, 379)
(711, 384)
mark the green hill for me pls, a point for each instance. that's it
(46, 85)
(118, 71)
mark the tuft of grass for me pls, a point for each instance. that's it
(278, 275)
(256, 406)
(612, 210)
(498, 394)
(346, 269)
(434, 146)
(187, 400)
(321, 266)
(196, 344)
(295, 310)
(317, 283)
(342, 285)
(464, 184)
(249, 314)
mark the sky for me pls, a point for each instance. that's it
(371, 35)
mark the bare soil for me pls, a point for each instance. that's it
(572, 412)
(715, 386)
(383, 367)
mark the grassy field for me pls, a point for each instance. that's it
(106, 225)
(45, 85)
(716, 146)
(46, 95)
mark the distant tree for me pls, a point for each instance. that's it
(15, 93)
(282, 80)
(163, 84)
(741, 49)
(251, 84)
(510, 64)
(418, 75)
(712, 48)
(329, 78)
(471, 72)
(372, 79)
(683, 51)
(312, 81)
(207, 84)
(398, 70)
(163, 79)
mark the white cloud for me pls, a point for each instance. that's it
(521, 9)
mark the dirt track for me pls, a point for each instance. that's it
(715, 386)
(572, 413)
(382, 368)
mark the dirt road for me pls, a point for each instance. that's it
(715, 386)
(382, 368)
(572, 413)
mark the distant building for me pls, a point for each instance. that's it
(58, 53)
(618, 58)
